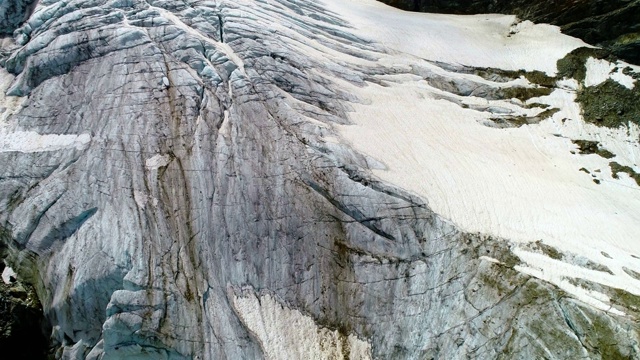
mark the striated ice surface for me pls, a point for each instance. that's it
(198, 180)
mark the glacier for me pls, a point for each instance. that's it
(329, 179)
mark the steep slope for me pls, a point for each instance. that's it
(267, 179)
(612, 24)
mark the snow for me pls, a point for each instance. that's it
(29, 141)
(288, 334)
(7, 274)
(599, 71)
(157, 161)
(568, 123)
(481, 40)
(520, 184)
(623, 79)
(142, 199)
(591, 297)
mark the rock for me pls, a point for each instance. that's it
(21, 323)
(12, 14)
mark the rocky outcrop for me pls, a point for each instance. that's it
(21, 319)
(21, 323)
(614, 25)
(171, 186)
(12, 14)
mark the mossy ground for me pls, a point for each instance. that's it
(548, 250)
(544, 84)
(593, 147)
(524, 93)
(617, 168)
(573, 64)
(610, 104)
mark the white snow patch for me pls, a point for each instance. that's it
(140, 198)
(490, 259)
(568, 84)
(7, 274)
(599, 71)
(479, 40)
(559, 273)
(157, 161)
(289, 334)
(143, 199)
(593, 298)
(29, 141)
(623, 79)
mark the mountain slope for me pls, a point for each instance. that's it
(199, 179)
(614, 25)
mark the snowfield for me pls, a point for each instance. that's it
(488, 40)
(521, 184)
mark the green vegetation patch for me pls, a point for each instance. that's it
(537, 105)
(626, 39)
(524, 93)
(550, 251)
(500, 75)
(617, 168)
(539, 78)
(610, 104)
(573, 65)
(593, 147)
(518, 121)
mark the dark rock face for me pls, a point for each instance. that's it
(21, 322)
(12, 14)
(614, 25)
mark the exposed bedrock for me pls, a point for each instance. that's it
(21, 317)
(184, 158)
(614, 25)
(12, 14)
